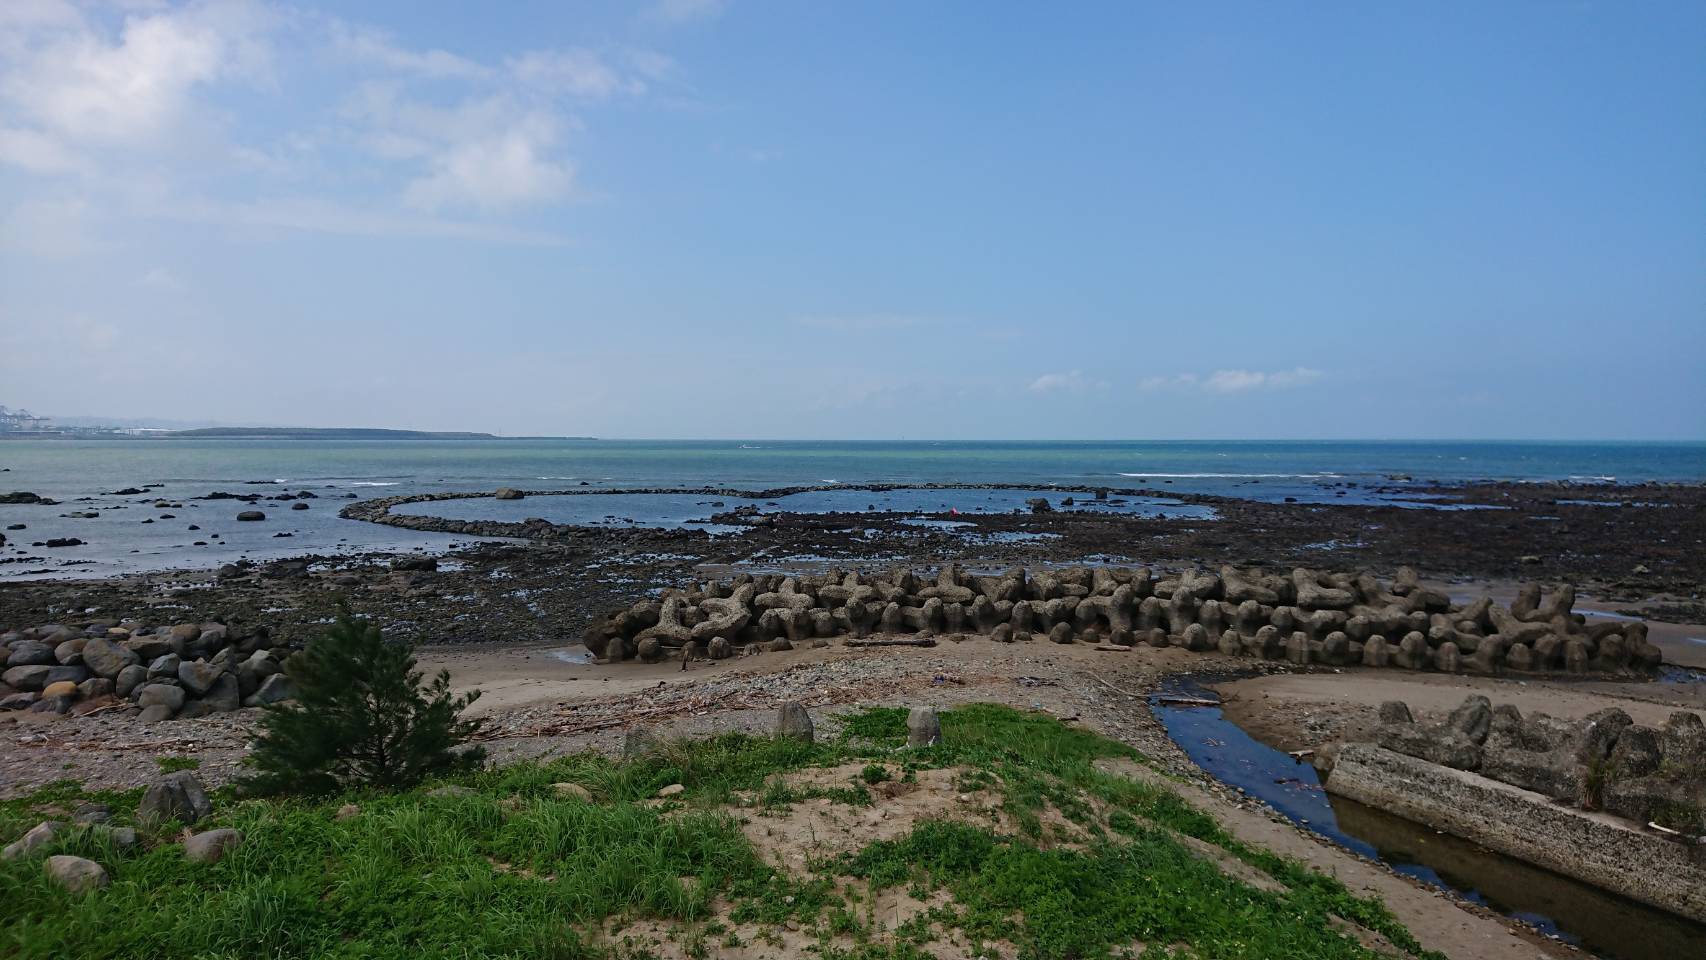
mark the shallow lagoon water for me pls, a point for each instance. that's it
(1606, 925)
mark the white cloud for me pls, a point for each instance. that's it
(576, 72)
(507, 170)
(374, 47)
(1056, 382)
(1232, 381)
(135, 104)
(1238, 381)
(673, 12)
(84, 86)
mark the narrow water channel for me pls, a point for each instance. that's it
(1604, 924)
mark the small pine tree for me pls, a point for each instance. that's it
(361, 717)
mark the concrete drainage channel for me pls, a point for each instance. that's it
(1603, 924)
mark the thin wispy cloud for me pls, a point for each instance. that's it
(1232, 381)
(860, 323)
(676, 12)
(1071, 381)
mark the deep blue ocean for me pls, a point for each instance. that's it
(70, 469)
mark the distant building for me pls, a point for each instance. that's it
(20, 421)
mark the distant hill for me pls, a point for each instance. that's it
(328, 433)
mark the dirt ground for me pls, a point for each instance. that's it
(543, 700)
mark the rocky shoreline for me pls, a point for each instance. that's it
(552, 582)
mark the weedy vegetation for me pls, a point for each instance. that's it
(516, 868)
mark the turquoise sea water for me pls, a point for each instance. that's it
(70, 469)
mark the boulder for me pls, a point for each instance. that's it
(129, 679)
(793, 721)
(923, 727)
(508, 493)
(95, 688)
(165, 665)
(106, 658)
(61, 688)
(31, 653)
(176, 796)
(29, 677)
(155, 713)
(150, 648)
(161, 695)
(279, 687)
(224, 696)
(39, 837)
(199, 676)
(76, 874)
(211, 846)
(91, 813)
(250, 516)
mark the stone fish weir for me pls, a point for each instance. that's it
(1305, 617)
(1603, 800)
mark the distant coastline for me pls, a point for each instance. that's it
(339, 433)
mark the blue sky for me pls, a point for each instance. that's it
(860, 220)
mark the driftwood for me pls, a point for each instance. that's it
(1173, 701)
(910, 642)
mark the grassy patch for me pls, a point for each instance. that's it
(514, 869)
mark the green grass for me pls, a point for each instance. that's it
(514, 870)
(173, 764)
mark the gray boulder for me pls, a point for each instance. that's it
(155, 713)
(923, 727)
(211, 846)
(161, 695)
(279, 687)
(38, 838)
(224, 696)
(165, 665)
(149, 647)
(76, 874)
(792, 720)
(31, 653)
(252, 671)
(199, 676)
(129, 679)
(106, 658)
(176, 796)
(30, 677)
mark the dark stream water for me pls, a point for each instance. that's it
(1604, 924)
